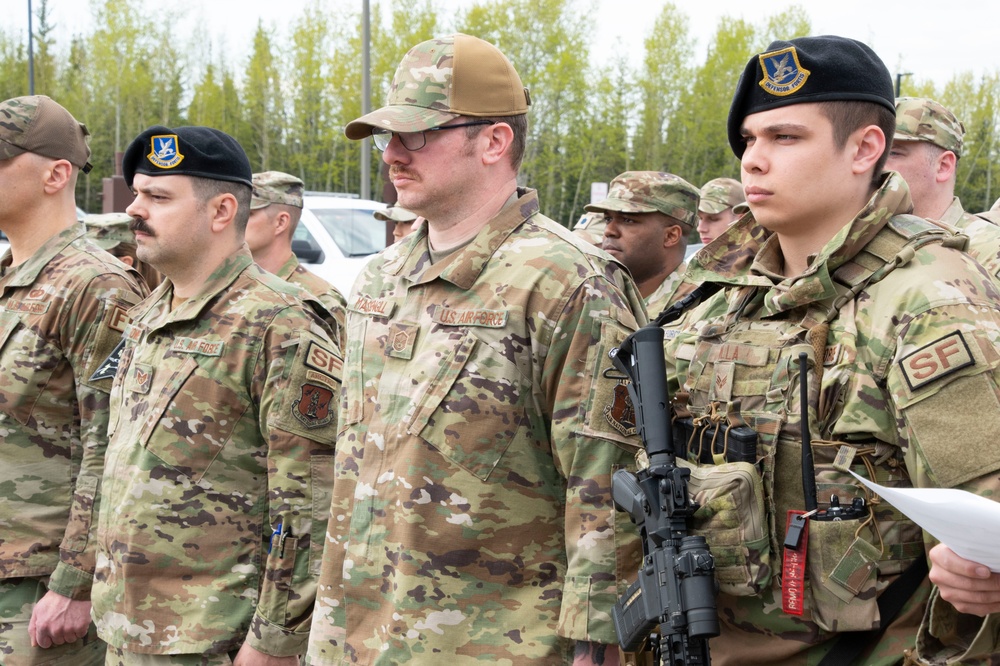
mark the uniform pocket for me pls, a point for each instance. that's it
(842, 570)
(28, 361)
(473, 408)
(732, 519)
(191, 419)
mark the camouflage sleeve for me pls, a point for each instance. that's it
(950, 358)
(298, 420)
(91, 328)
(592, 435)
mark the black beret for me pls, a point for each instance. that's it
(808, 69)
(187, 151)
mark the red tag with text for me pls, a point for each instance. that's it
(793, 567)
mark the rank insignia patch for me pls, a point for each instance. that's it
(620, 413)
(165, 153)
(313, 407)
(783, 74)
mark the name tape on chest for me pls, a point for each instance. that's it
(373, 306)
(475, 317)
(29, 307)
(197, 346)
(938, 359)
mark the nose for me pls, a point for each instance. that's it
(134, 209)
(611, 228)
(753, 159)
(395, 153)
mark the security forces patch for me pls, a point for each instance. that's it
(165, 153)
(620, 413)
(936, 360)
(783, 74)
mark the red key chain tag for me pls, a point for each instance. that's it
(793, 566)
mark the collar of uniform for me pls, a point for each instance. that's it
(464, 267)
(26, 273)
(286, 269)
(955, 215)
(220, 280)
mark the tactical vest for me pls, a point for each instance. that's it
(746, 371)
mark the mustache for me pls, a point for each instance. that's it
(139, 224)
(400, 171)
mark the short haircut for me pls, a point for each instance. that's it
(206, 189)
(294, 215)
(849, 116)
(519, 124)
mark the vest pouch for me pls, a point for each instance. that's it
(842, 570)
(732, 519)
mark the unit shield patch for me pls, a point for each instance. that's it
(165, 153)
(783, 74)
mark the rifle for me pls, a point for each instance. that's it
(676, 585)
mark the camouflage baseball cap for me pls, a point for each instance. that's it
(441, 79)
(922, 119)
(719, 194)
(651, 192)
(109, 230)
(37, 124)
(395, 214)
(275, 187)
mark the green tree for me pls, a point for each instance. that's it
(263, 107)
(13, 66)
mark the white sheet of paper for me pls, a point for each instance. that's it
(966, 523)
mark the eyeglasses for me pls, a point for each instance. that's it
(413, 141)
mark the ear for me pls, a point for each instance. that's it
(127, 260)
(498, 138)
(57, 176)
(945, 166)
(281, 222)
(223, 209)
(672, 235)
(867, 144)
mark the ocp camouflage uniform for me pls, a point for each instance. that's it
(664, 295)
(984, 237)
(472, 518)
(905, 371)
(61, 314)
(223, 430)
(328, 295)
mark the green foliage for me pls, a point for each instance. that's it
(288, 100)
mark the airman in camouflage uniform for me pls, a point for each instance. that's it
(220, 459)
(113, 233)
(404, 222)
(648, 216)
(591, 228)
(897, 332)
(717, 207)
(925, 151)
(472, 517)
(63, 304)
(275, 210)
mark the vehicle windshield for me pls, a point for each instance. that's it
(352, 229)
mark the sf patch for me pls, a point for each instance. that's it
(620, 413)
(164, 152)
(938, 359)
(783, 74)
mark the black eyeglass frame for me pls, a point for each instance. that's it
(379, 134)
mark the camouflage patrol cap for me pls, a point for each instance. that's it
(922, 119)
(109, 230)
(808, 69)
(276, 187)
(395, 214)
(37, 124)
(651, 192)
(719, 194)
(441, 79)
(201, 152)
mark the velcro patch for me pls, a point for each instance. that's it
(313, 407)
(109, 368)
(452, 317)
(31, 307)
(197, 346)
(373, 306)
(324, 361)
(620, 413)
(938, 359)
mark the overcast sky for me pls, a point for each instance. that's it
(933, 40)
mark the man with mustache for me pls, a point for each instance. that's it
(221, 445)
(850, 336)
(472, 516)
(63, 305)
(648, 216)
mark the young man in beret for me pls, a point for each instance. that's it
(648, 215)
(717, 207)
(63, 304)
(472, 517)
(896, 332)
(275, 210)
(221, 445)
